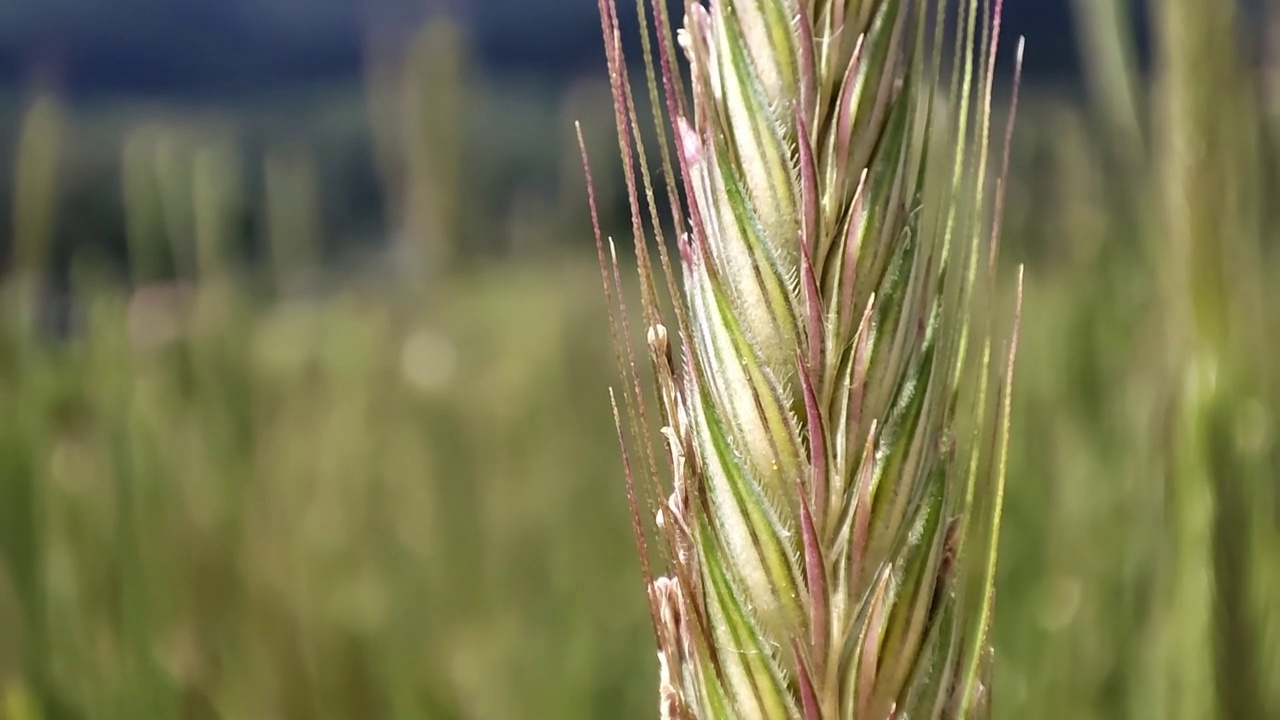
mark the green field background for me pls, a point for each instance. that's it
(256, 469)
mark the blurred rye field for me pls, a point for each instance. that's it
(252, 469)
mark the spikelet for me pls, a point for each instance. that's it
(834, 443)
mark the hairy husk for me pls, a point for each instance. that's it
(833, 422)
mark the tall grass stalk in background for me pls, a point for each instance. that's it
(1150, 416)
(1217, 471)
(835, 425)
(1198, 190)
